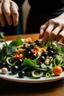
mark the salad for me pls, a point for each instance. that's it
(34, 59)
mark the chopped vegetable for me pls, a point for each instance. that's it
(10, 63)
(28, 40)
(57, 70)
(4, 70)
(29, 63)
(37, 74)
(17, 57)
(16, 42)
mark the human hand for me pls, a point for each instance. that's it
(8, 10)
(53, 29)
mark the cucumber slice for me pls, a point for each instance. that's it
(37, 74)
(11, 64)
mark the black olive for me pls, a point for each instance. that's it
(0, 65)
(3, 64)
(9, 68)
(28, 48)
(38, 42)
(27, 53)
(51, 53)
(33, 56)
(20, 61)
(32, 46)
(21, 73)
(42, 59)
(51, 48)
(62, 68)
(30, 42)
(24, 46)
(21, 66)
(44, 54)
(14, 69)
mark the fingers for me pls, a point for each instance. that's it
(15, 15)
(42, 30)
(55, 32)
(51, 31)
(48, 31)
(7, 12)
(2, 22)
(10, 10)
(60, 35)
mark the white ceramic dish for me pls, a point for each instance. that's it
(30, 80)
(27, 79)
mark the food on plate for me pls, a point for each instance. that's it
(4, 70)
(34, 59)
(57, 70)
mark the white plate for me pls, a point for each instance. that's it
(27, 79)
(30, 80)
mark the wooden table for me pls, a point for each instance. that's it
(9, 88)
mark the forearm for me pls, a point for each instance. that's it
(62, 15)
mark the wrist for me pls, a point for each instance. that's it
(62, 15)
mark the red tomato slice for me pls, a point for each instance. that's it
(16, 57)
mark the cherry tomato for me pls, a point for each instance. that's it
(17, 57)
(28, 40)
(57, 70)
(33, 51)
